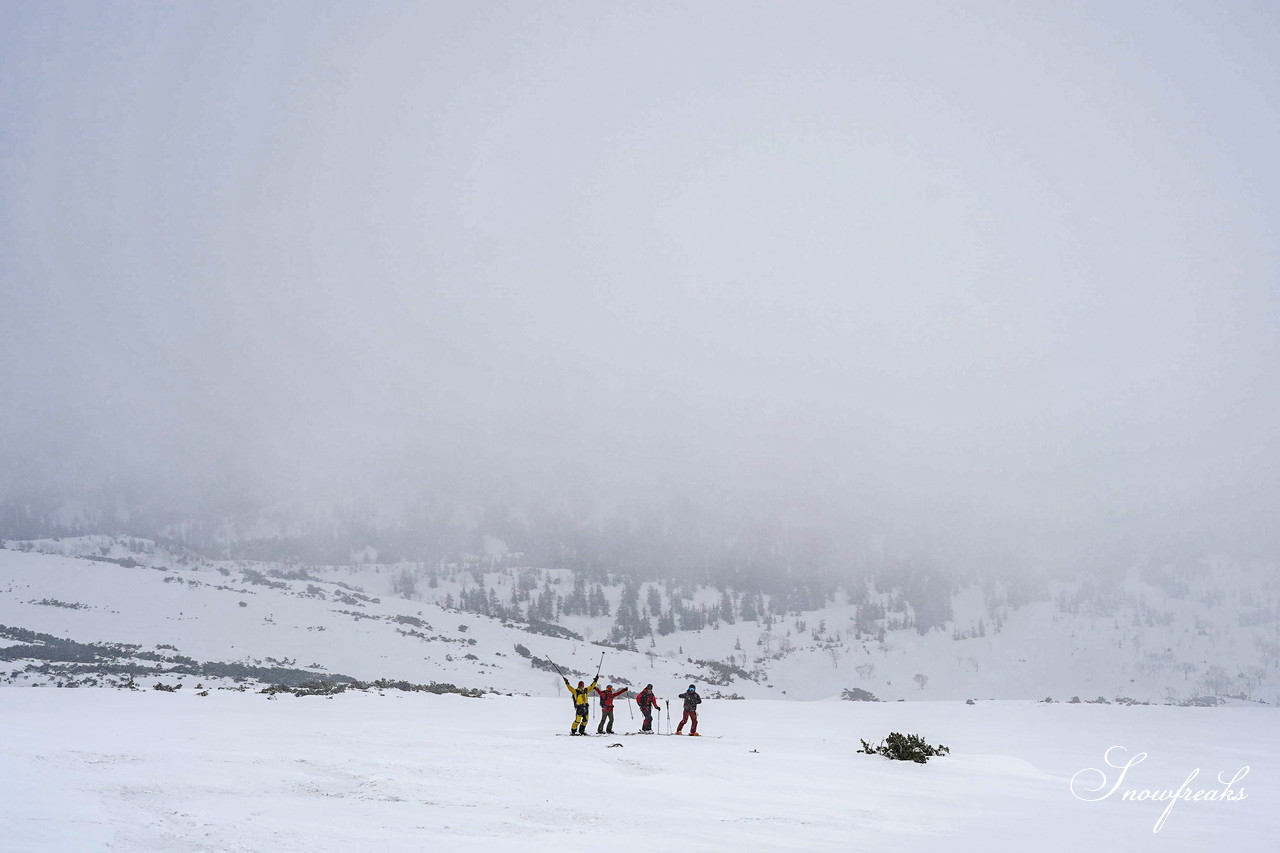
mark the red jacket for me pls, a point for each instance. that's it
(607, 697)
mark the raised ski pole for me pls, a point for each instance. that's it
(596, 681)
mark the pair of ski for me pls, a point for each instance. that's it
(630, 734)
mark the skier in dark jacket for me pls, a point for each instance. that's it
(691, 702)
(606, 707)
(647, 702)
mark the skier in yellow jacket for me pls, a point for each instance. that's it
(581, 707)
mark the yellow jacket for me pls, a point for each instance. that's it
(580, 695)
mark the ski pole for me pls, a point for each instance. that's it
(668, 704)
(565, 680)
(600, 667)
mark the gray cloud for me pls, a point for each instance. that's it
(983, 274)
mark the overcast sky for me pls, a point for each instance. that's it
(972, 270)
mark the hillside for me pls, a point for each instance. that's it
(1163, 635)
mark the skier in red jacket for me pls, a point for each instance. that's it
(606, 707)
(647, 702)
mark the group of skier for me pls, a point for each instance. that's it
(645, 699)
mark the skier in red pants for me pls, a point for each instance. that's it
(691, 702)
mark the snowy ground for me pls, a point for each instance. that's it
(86, 770)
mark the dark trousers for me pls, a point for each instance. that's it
(581, 712)
(606, 716)
(648, 719)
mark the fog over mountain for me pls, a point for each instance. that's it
(969, 281)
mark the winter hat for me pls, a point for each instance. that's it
(691, 687)
(582, 684)
(648, 687)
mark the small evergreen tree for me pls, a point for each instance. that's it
(902, 747)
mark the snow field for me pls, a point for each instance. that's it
(87, 770)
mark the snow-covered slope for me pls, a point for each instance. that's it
(1160, 637)
(210, 763)
(222, 615)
